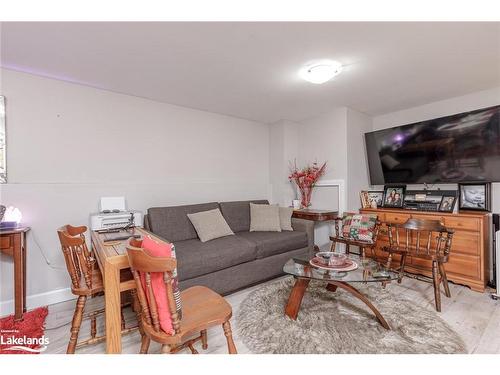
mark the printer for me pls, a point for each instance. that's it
(114, 215)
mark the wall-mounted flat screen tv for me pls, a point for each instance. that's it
(457, 148)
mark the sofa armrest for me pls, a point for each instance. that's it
(305, 226)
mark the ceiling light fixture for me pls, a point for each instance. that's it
(321, 71)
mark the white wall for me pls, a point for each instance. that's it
(283, 148)
(357, 166)
(324, 138)
(70, 144)
(477, 100)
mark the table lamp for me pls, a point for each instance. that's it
(11, 218)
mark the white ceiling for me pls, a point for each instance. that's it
(249, 70)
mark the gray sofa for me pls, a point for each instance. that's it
(228, 263)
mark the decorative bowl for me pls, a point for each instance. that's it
(337, 259)
(324, 257)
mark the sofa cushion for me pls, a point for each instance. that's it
(196, 258)
(273, 243)
(172, 223)
(237, 214)
(264, 218)
(210, 224)
(286, 218)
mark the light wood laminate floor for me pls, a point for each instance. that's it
(475, 316)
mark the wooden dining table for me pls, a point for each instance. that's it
(115, 268)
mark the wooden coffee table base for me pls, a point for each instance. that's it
(294, 301)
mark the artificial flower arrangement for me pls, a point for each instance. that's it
(306, 179)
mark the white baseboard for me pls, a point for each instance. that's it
(37, 300)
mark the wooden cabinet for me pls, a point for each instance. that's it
(468, 262)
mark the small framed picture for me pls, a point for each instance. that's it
(474, 196)
(376, 198)
(394, 195)
(365, 203)
(447, 203)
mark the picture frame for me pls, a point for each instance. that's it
(474, 196)
(377, 196)
(447, 203)
(394, 195)
(365, 203)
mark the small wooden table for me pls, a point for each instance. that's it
(113, 263)
(13, 243)
(316, 216)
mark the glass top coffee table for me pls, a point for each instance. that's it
(368, 271)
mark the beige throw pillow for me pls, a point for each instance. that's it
(286, 218)
(210, 225)
(264, 218)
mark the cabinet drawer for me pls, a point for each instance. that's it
(396, 218)
(464, 265)
(468, 223)
(429, 217)
(5, 242)
(466, 243)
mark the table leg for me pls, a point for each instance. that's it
(113, 308)
(356, 293)
(24, 272)
(293, 306)
(18, 278)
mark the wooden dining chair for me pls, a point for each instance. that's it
(202, 308)
(86, 281)
(423, 239)
(343, 235)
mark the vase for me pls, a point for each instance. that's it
(305, 196)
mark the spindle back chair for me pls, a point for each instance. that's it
(86, 281)
(202, 308)
(339, 237)
(424, 239)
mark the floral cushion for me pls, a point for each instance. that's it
(359, 227)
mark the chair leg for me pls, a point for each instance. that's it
(204, 340)
(444, 280)
(334, 245)
(435, 279)
(193, 350)
(76, 323)
(347, 250)
(389, 261)
(402, 264)
(93, 326)
(229, 337)
(145, 340)
(165, 349)
(136, 307)
(122, 319)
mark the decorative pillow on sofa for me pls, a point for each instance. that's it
(162, 249)
(359, 226)
(264, 218)
(210, 225)
(286, 218)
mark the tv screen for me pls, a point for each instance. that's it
(457, 148)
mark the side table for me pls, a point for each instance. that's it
(316, 216)
(13, 243)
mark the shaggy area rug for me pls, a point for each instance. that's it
(31, 327)
(336, 322)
